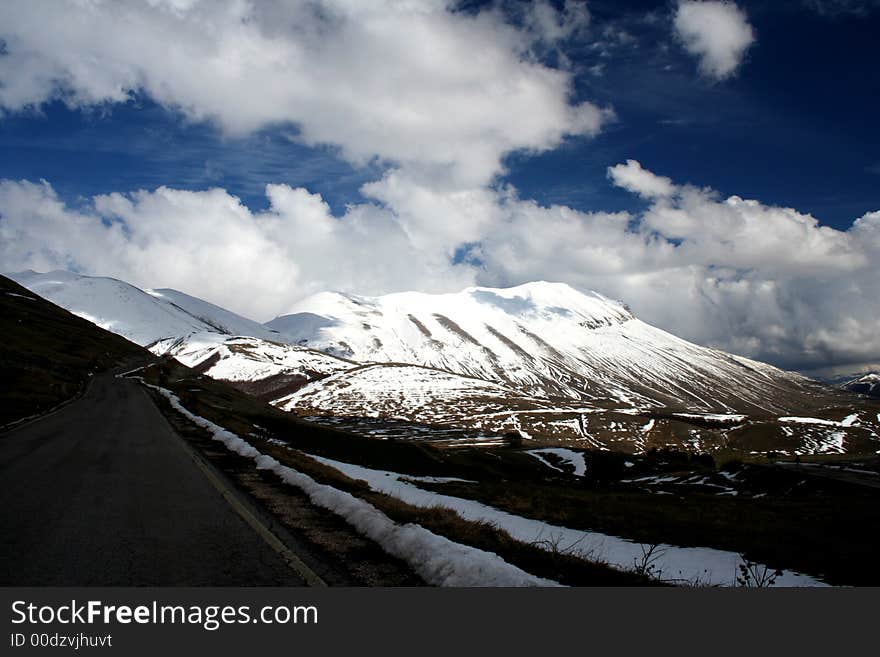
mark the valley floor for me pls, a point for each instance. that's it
(685, 518)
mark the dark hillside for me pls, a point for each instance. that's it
(47, 354)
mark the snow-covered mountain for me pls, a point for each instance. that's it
(540, 359)
(407, 392)
(142, 316)
(258, 366)
(545, 340)
(220, 319)
(867, 384)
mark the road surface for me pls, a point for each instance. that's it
(103, 492)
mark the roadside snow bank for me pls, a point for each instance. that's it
(673, 563)
(436, 559)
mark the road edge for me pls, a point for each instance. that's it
(241, 506)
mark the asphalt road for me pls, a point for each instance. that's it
(103, 492)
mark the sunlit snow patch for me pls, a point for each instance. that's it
(676, 564)
(437, 559)
(575, 459)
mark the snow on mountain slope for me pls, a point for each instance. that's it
(386, 400)
(547, 340)
(541, 359)
(869, 384)
(221, 319)
(425, 396)
(141, 316)
(258, 366)
(406, 392)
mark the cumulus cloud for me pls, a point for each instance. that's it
(633, 178)
(439, 97)
(763, 281)
(208, 243)
(411, 83)
(717, 32)
(551, 24)
(759, 280)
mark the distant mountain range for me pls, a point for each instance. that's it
(867, 384)
(541, 360)
(861, 381)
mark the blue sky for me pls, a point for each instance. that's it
(141, 145)
(385, 146)
(795, 127)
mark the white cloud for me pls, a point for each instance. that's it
(436, 216)
(716, 31)
(209, 244)
(551, 24)
(442, 97)
(408, 82)
(759, 280)
(633, 178)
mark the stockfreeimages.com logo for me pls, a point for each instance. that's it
(209, 617)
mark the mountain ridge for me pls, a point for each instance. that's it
(866, 384)
(546, 339)
(142, 316)
(540, 359)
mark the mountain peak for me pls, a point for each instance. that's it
(865, 384)
(526, 298)
(534, 287)
(141, 316)
(543, 338)
(555, 295)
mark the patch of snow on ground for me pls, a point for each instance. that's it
(538, 455)
(481, 443)
(706, 565)
(835, 444)
(849, 420)
(576, 459)
(439, 480)
(713, 417)
(810, 420)
(651, 479)
(243, 358)
(437, 559)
